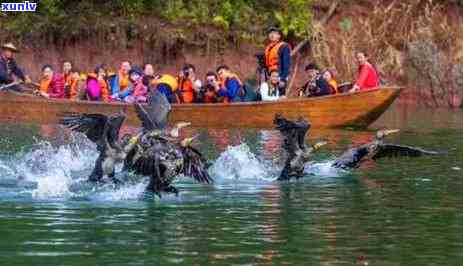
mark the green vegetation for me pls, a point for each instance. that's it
(64, 20)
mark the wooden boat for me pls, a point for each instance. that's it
(358, 110)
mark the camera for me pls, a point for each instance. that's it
(186, 72)
(261, 60)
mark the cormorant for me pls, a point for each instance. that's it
(152, 152)
(162, 156)
(377, 149)
(104, 132)
(294, 133)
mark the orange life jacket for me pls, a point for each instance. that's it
(272, 55)
(44, 85)
(186, 89)
(104, 89)
(123, 81)
(334, 86)
(71, 82)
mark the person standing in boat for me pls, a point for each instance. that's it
(52, 83)
(316, 85)
(230, 86)
(97, 85)
(9, 69)
(119, 83)
(367, 75)
(278, 57)
(271, 91)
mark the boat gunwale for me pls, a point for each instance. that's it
(226, 105)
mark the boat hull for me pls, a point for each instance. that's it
(343, 110)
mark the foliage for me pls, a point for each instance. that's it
(236, 17)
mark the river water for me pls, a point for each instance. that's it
(391, 212)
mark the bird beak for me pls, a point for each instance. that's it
(181, 125)
(391, 131)
(187, 141)
(319, 144)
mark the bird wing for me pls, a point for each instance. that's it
(394, 150)
(146, 164)
(114, 127)
(351, 158)
(155, 114)
(92, 125)
(293, 132)
(196, 165)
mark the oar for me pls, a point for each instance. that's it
(10, 85)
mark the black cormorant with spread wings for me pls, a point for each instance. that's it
(104, 132)
(153, 152)
(376, 149)
(163, 156)
(294, 133)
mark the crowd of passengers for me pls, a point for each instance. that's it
(132, 83)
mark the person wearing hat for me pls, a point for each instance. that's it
(9, 70)
(316, 85)
(278, 56)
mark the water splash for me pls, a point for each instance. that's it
(238, 162)
(323, 169)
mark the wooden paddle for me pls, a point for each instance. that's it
(12, 84)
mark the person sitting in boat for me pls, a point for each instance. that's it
(97, 85)
(119, 83)
(52, 83)
(167, 85)
(316, 85)
(9, 69)
(208, 92)
(278, 57)
(69, 79)
(140, 91)
(367, 75)
(271, 91)
(78, 85)
(188, 84)
(230, 85)
(148, 75)
(329, 76)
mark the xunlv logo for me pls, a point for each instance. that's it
(25, 6)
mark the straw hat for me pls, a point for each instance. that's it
(10, 46)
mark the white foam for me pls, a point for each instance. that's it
(323, 169)
(51, 167)
(238, 162)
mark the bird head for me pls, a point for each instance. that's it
(319, 144)
(383, 133)
(154, 133)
